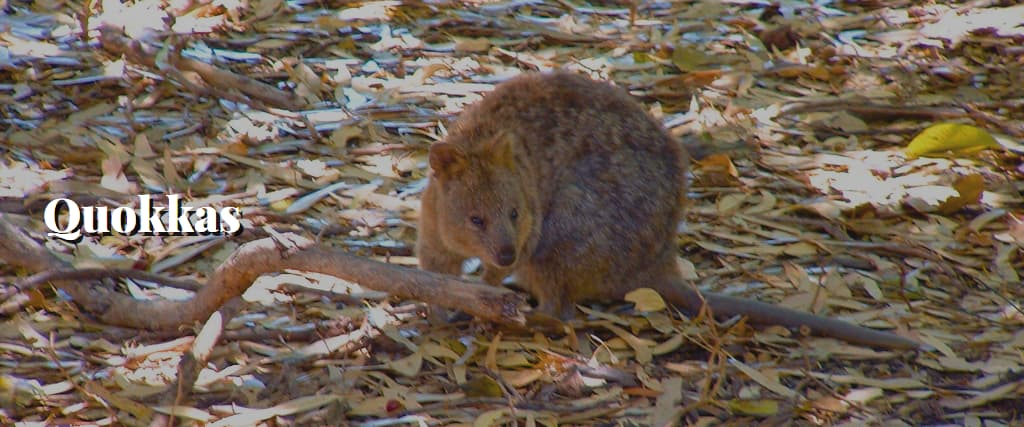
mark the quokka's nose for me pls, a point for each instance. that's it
(507, 256)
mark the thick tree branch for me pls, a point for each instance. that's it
(253, 259)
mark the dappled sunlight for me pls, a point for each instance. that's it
(883, 180)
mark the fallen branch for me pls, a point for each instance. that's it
(246, 264)
(872, 111)
(214, 80)
(39, 279)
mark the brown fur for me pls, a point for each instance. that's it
(572, 186)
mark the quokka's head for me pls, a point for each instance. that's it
(485, 208)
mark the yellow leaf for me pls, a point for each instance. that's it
(407, 366)
(800, 249)
(955, 137)
(688, 58)
(491, 357)
(477, 45)
(436, 350)
(766, 204)
(186, 412)
(490, 418)
(970, 188)
(280, 205)
(374, 406)
(769, 382)
(761, 408)
(646, 299)
(513, 360)
(1005, 391)
(482, 386)
(730, 203)
(668, 345)
(521, 378)
(819, 73)
(716, 170)
(25, 388)
(641, 346)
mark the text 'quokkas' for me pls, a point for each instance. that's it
(68, 221)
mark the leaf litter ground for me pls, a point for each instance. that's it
(806, 199)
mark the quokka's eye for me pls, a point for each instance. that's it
(514, 214)
(477, 221)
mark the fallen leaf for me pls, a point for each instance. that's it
(641, 346)
(522, 377)
(490, 418)
(970, 188)
(716, 170)
(407, 366)
(758, 408)
(688, 58)
(944, 137)
(646, 299)
(477, 45)
(482, 386)
(769, 383)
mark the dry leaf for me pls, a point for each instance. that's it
(765, 381)
(407, 366)
(688, 58)
(482, 386)
(646, 299)
(477, 45)
(970, 188)
(716, 170)
(759, 408)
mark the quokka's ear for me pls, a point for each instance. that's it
(502, 150)
(447, 160)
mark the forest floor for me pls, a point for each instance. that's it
(811, 197)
